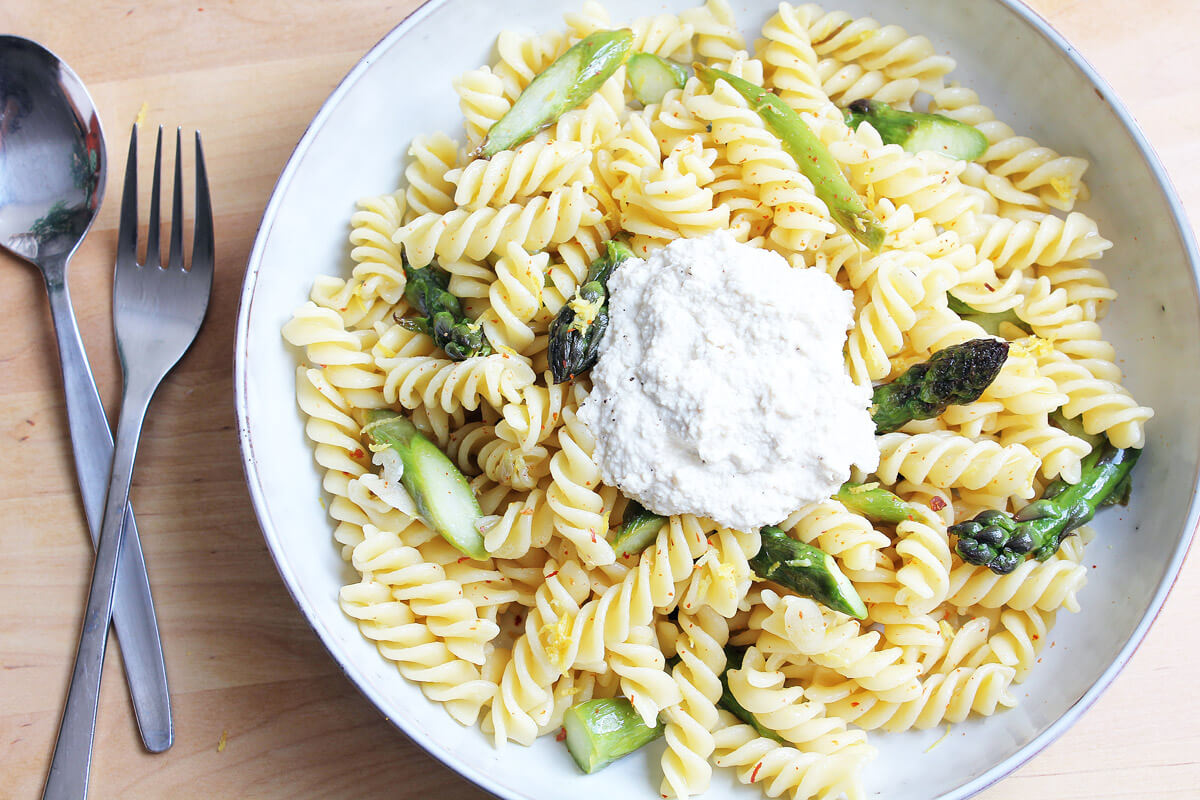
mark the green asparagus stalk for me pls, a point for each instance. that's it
(915, 131)
(441, 493)
(806, 570)
(1000, 541)
(813, 158)
(651, 77)
(638, 532)
(989, 321)
(733, 660)
(602, 730)
(576, 332)
(443, 318)
(572, 78)
(874, 502)
(954, 375)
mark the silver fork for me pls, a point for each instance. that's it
(157, 312)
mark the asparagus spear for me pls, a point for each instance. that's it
(576, 332)
(813, 158)
(441, 493)
(638, 531)
(572, 78)
(954, 375)
(651, 77)
(1000, 541)
(915, 131)
(806, 570)
(990, 322)
(602, 730)
(443, 318)
(873, 502)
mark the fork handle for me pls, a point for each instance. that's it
(133, 606)
(72, 758)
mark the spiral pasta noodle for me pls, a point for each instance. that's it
(542, 221)
(690, 722)
(780, 768)
(948, 460)
(536, 167)
(760, 689)
(799, 218)
(579, 514)
(1019, 170)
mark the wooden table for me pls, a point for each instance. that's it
(260, 708)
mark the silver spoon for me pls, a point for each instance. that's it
(51, 182)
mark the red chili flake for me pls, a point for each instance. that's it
(357, 453)
(989, 287)
(1035, 637)
(754, 774)
(937, 503)
(562, 734)
(854, 704)
(462, 559)
(551, 575)
(593, 537)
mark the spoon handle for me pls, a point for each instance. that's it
(133, 606)
(72, 757)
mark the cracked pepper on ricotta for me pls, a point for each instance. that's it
(721, 388)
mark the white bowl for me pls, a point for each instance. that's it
(1020, 67)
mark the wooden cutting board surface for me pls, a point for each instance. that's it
(261, 710)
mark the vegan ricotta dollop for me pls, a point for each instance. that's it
(721, 389)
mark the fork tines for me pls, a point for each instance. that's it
(202, 237)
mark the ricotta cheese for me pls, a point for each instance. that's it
(721, 389)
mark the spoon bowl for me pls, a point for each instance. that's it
(51, 155)
(52, 170)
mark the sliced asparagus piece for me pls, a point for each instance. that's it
(806, 570)
(812, 157)
(443, 318)
(576, 332)
(638, 532)
(1000, 541)
(602, 730)
(954, 375)
(915, 131)
(441, 493)
(873, 502)
(733, 660)
(572, 78)
(989, 321)
(651, 77)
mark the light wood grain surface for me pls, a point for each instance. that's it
(261, 710)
